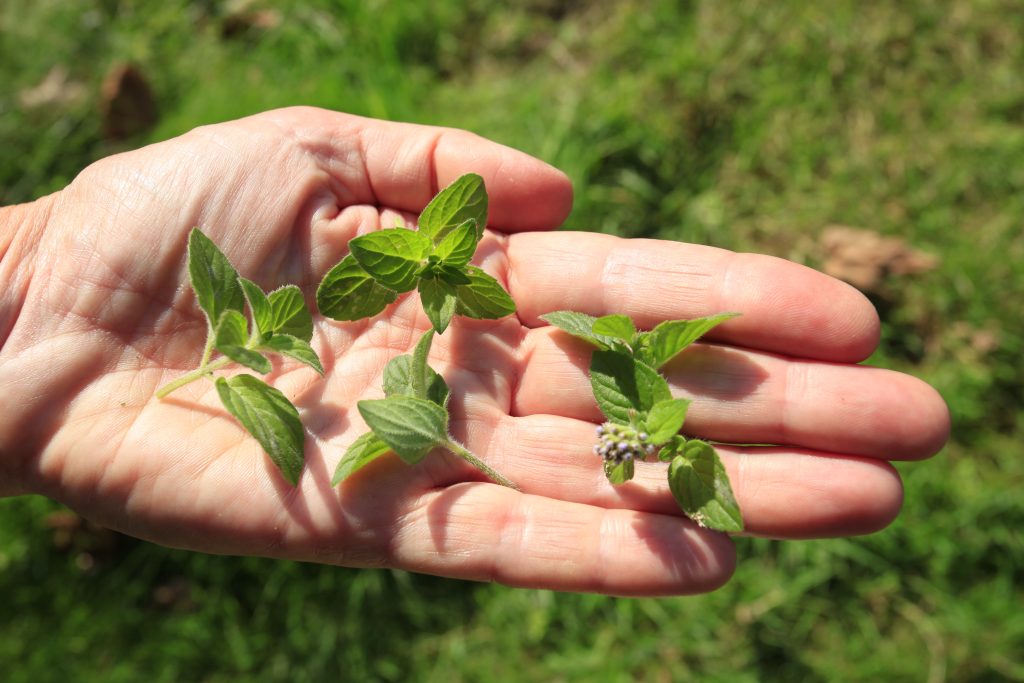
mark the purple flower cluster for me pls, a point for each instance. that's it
(620, 443)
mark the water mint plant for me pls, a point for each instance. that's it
(412, 419)
(643, 419)
(280, 324)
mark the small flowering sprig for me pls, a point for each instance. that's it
(643, 419)
(619, 444)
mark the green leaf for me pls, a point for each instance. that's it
(625, 387)
(361, 453)
(412, 427)
(284, 311)
(231, 339)
(418, 369)
(463, 200)
(619, 473)
(270, 417)
(667, 339)
(579, 325)
(617, 326)
(401, 372)
(673, 448)
(293, 347)
(232, 330)
(392, 257)
(258, 304)
(289, 313)
(348, 292)
(452, 275)
(700, 485)
(398, 381)
(439, 300)
(459, 245)
(666, 419)
(437, 389)
(214, 279)
(483, 297)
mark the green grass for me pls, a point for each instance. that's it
(745, 125)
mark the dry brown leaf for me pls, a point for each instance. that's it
(865, 258)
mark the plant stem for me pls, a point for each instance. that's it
(210, 338)
(467, 455)
(417, 373)
(201, 371)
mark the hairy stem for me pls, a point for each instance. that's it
(190, 377)
(467, 455)
(208, 350)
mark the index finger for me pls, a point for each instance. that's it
(403, 165)
(786, 307)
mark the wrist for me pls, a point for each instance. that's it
(21, 229)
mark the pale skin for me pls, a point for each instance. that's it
(96, 314)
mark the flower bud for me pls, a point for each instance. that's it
(622, 443)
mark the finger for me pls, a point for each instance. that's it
(484, 532)
(402, 166)
(783, 493)
(742, 396)
(785, 307)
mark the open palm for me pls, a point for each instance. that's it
(105, 316)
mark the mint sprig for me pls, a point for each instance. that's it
(411, 420)
(281, 324)
(643, 419)
(433, 260)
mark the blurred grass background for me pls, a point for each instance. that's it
(747, 125)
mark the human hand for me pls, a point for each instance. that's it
(97, 314)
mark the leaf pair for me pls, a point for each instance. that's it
(655, 348)
(410, 421)
(642, 413)
(435, 260)
(281, 324)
